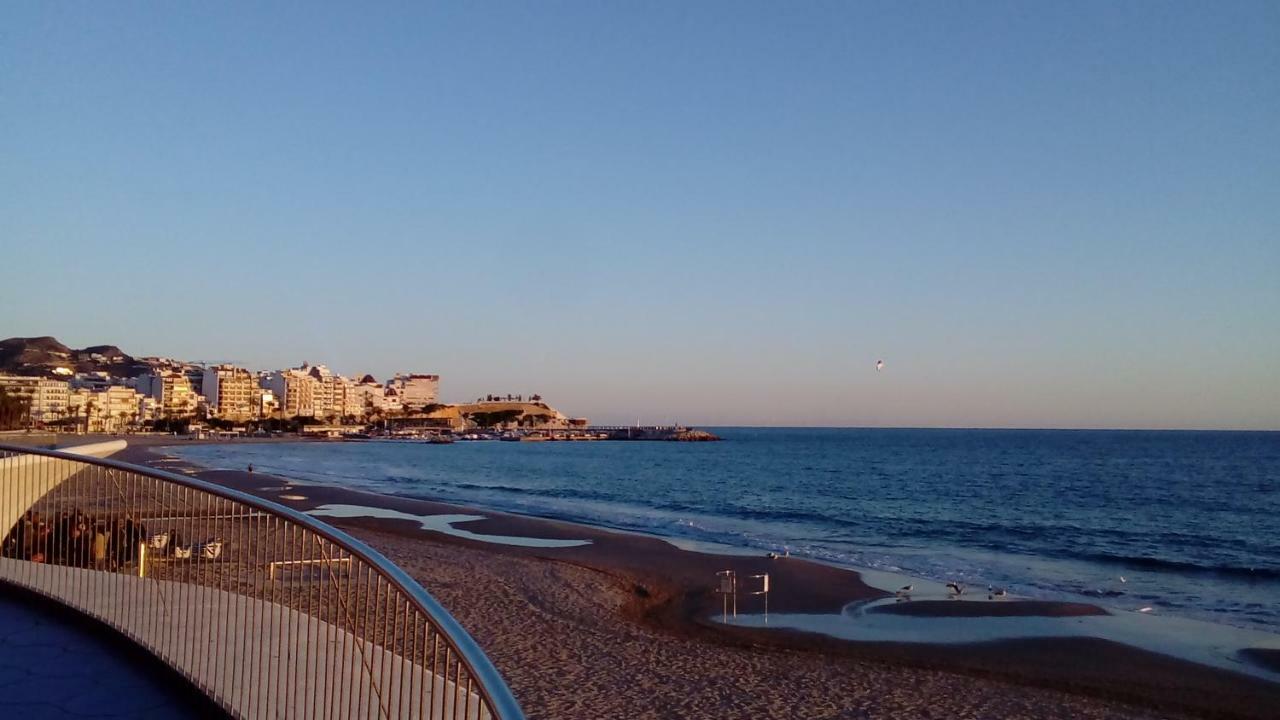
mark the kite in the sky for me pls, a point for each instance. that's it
(879, 365)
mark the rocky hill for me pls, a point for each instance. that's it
(45, 355)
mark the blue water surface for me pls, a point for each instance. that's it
(1189, 520)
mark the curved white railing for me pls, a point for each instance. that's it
(268, 611)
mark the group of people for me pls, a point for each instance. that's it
(74, 538)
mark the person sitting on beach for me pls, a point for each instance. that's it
(99, 548)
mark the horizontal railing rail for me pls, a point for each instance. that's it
(267, 610)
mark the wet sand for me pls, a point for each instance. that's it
(625, 627)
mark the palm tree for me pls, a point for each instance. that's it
(89, 406)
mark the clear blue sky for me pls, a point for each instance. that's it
(1038, 214)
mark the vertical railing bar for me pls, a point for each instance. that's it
(339, 646)
(188, 595)
(249, 608)
(348, 651)
(326, 599)
(240, 607)
(413, 651)
(206, 584)
(435, 653)
(379, 643)
(291, 646)
(335, 612)
(466, 699)
(261, 605)
(367, 646)
(424, 691)
(313, 657)
(457, 684)
(274, 648)
(205, 579)
(350, 673)
(218, 565)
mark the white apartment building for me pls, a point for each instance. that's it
(294, 390)
(367, 395)
(110, 409)
(232, 393)
(46, 398)
(267, 403)
(172, 392)
(415, 390)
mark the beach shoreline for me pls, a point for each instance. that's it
(666, 594)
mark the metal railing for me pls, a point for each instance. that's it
(268, 611)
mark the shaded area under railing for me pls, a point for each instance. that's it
(270, 612)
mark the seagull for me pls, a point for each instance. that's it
(773, 556)
(1146, 609)
(905, 591)
(994, 594)
(879, 365)
(955, 589)
(1123, 580)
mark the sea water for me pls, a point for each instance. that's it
(1184, 523)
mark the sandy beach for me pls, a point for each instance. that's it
(625, 626)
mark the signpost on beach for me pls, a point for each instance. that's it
(764, 590)
(728, 589)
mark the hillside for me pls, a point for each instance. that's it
(42, 355)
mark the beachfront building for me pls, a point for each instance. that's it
(232, 393)
(414, 390)
(367, 394)
(172, 391)
(267, 403)
(295, 391)
(352, 402)
(110, 409)
(46, 398)
(96, 380)
(330, 392)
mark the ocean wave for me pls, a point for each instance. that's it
(1183, 566)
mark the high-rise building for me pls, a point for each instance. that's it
(295, 391)
(172, 391)
(110, 409)
(46, 399)
(232, 393)
(368, 395)
(415, 390)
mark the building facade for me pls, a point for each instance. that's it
(232, 393)
(111, 409)
(294, 390)
(172, 391)
(46, 399)
(415, 390)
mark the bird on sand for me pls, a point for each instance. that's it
(955, 589)
(904, 592)
(996, 594)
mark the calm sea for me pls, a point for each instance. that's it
(1189, 520)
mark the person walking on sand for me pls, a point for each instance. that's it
(250, 468)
